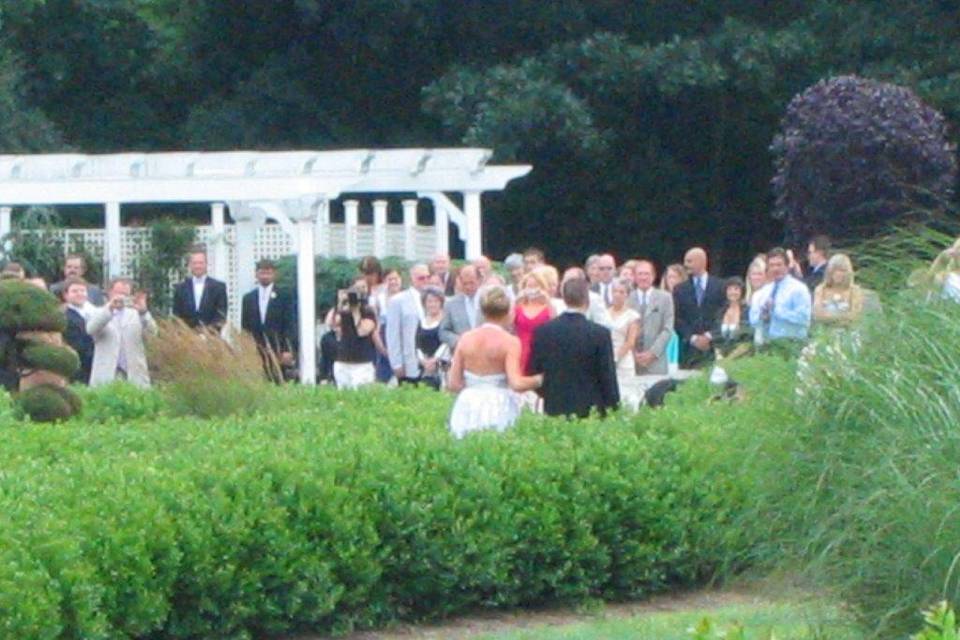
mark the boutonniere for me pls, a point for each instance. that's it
(655, 310)
(273, 295)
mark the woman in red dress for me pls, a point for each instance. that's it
(533, 309)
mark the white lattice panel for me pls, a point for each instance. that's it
(424, 243)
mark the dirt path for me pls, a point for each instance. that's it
(473, 625)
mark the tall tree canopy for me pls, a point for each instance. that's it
(649, 123)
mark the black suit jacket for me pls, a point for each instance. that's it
(691, 319)
(280, 329)
(80, 341)
(213, 305)
(576, 357)
(815, 277)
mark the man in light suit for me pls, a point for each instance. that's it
(200, 300)
(655, 307)
(404, 312)
(118, 330)
(462, 312)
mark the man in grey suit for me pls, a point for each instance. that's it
(656, 321)
(462, 312)
(404, 313)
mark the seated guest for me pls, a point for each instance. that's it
(118, 329)
(200, 301)
(733, 323)
(431, 352)
(77, 309)
(356, 350)
(270, 316)
(837, 300)
(462, 312)
(782, 308)
(75, 266)
(575, 357)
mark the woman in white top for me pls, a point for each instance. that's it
(624, 329)
(486, 366)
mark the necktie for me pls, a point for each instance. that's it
(121, 354)
(773, 301)
(698, 285)
(606, 294)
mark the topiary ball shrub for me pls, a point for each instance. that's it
(25, 307)
(33, 358)
(39, 355)
(48, 403)
(855, 155)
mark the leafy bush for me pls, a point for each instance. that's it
(343, 510)
(204, 375)
(24, 307)
(120, 401)
(48, 403)
(855, 155)
(56, 358)
(157, 269)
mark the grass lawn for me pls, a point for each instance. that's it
(761, 621)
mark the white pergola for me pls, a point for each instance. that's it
(293, 188)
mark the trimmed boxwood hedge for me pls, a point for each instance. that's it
(24, 306)
(332, 512)
(58, 359)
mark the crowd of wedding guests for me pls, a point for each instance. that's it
(404, 328)
(656, 324)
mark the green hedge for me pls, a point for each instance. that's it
(331, 512)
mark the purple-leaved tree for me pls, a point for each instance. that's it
(855, 155)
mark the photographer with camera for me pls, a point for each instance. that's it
(117, 329)
(356, 350)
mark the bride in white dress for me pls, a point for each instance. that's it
(486, 371)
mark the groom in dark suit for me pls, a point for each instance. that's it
(269, 314)
(575, 357)
(200, 300)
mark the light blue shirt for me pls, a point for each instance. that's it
(790, 317)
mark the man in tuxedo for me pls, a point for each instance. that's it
(696, 303)
(596, 309)
(575, 357)
(269, 315)
(200, 300)
(606, 267)
(440, 266)
(462, 312)
(75, 266)
(655, 307)
(818, 252)
(77, 309)
(404, 312)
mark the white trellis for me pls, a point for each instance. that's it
(292, 188)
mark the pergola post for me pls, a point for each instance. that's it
(112, 248)
(248, 219)
(410, 229)
(471, 209)
(441, 229)
(306, 290)
(321, 230)
(6, 226)
(379, 228)
(350, 218)
(220, 262)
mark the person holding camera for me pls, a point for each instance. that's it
(356, 350)
(118, 329)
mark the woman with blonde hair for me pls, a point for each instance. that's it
(673, 276)
(485, 368)
(838, 300)
(756, 276)
(533, 309)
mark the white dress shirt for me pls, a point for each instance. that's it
(198, 284)
(264, 300)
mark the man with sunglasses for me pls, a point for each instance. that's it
(404, 313)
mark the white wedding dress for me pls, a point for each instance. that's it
(486, 402)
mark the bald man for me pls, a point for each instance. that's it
(697, 302)
(404, 312)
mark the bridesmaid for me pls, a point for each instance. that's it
(533, 310)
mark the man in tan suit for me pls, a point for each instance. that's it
(118, 330)
(656, 321)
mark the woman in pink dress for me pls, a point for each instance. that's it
(533, 309)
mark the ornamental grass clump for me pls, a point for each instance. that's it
(205, 375)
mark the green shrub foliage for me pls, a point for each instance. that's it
(39, 355)
(25, 307)
(338, 511)
(48, 403)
